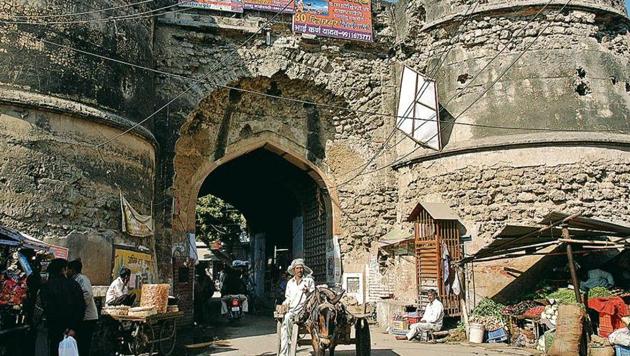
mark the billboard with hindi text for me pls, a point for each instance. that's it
(285, 6)
(218, 5)
(345, 19)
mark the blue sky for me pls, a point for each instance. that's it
(627, 4)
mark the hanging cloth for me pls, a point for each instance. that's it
(133, 223)
(446, 265)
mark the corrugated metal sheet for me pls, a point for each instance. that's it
(515, 240)
(584, 223)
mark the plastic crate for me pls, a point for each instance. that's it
(622, 350)
(496, 336)
(605, 325)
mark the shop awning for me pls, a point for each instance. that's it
(394, 236)
(11, 237)
(517, 240)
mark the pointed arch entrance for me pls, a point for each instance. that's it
(281, 193)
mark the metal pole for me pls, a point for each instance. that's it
(574, 279)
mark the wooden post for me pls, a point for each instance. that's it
(574, 279)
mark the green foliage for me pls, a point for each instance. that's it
(567, 296)
(488, 308)
(217, 220)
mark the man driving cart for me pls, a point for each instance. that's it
(298, 287)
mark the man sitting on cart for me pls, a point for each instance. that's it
(118, 291)
(295, 296)
(431, 319)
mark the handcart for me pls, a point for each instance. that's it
(139, 335)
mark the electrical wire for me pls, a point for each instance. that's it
(136, 16)
(81, 13)
(418, 95)
(292, 99)
(487, 89)
(190, 87)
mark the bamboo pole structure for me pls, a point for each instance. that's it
(574, 279)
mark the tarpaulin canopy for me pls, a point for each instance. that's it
(11, 237)
(516, 240)
(394, 236)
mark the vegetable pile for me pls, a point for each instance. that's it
(488, 313)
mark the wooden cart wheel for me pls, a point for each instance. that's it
(142, 339)
(168, 333)
(362, 330)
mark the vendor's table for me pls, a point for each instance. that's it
(138, 335)
(538, 327)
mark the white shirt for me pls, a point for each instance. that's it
(115, 290)
(88, 296)
(294, 294)
(433, 312)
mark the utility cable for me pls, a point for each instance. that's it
(138, 15)
(487, 89)
(95, 11)
(292, 99)
(190, 87)
(418, 95)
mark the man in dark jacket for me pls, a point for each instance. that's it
(63, 303)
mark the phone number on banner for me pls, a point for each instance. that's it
(333, 32)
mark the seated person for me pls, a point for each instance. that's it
(118, 291)
(431, 320)
(233, 286)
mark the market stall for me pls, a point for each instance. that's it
(547, 313)
(142, 329)
(21, 260)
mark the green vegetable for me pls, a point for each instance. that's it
(488, 307)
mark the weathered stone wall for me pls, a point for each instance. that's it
(56, 186)
(30, 64)
(331, 72)
(575, 74)
(520, 186)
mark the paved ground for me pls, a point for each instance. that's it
(257, 336)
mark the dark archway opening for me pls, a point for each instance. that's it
(288, 214)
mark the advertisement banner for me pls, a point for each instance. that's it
(219, 5)
(345, 19)
(270, 5)
(140, 264)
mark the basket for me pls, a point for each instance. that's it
(622, 350)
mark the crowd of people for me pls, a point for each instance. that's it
(67, 301)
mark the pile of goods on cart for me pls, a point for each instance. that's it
(146, 326)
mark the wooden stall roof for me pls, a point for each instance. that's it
(394, 236)
(516, 241)
(438, 211)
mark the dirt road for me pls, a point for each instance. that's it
(257, 336)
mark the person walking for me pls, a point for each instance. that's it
(90, 318)
(63, 303)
